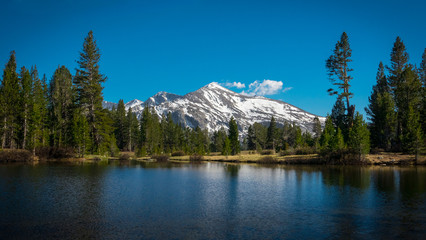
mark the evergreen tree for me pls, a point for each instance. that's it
(338, 115)
(338, 70)
(327, 135)
(422, 75)
(9, 95)
(26, 107)
(39, 113)
(381, 112)
(119, 124)
(260, 133)
(233, 136)
(150, 132)
(412, 138)
(61, 105)
(88, 81)
(359, 136)
(298, 140)
(399, 62)
(218, 140)
(271, 134)
(337, 141)
(80, 132)
(411, 100)
(317, 132)
(226, 147)
(131, 130)
(251, 139)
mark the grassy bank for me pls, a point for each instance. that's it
(244, 157)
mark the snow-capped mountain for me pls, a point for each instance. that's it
(160, 98)
(136, 105)
(212, 106)
(108, 105)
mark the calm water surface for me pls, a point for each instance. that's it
(211, 201)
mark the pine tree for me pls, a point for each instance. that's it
(359, 137)
(338, 70)
(233, 136)
(131, 130)
(119, 124)
(327, 135)
(399, 62)
(422, 75)
(317, 132)
(88, 81)
(226, 147)
(271, 134)
(61, 105)
(251, 139)
(298, 140)
(9, 95)
(412, 138)
(218, 140)
(80, 132)
(337, 141)
(39, 113)
(410, 102)
(150, 131)
(338, 116)
(381, 112)
(26, 107)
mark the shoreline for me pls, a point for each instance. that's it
(381, 158)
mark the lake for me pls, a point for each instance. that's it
(211, 201)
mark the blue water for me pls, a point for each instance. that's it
(211, 201)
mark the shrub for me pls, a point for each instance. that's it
(124, 157)
(305, 151)
(16, 155)
(161, 158)
(196, 158)
(54, 152)
(343, 157)
(178, 154)
(268, 159)
(141, 152)
(288, 151)
(267, 152)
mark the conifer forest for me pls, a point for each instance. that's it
(65, 114)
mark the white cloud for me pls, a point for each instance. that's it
(234, 84)
(267, 87)
(287, 89)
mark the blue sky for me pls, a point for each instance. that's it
(180, 46)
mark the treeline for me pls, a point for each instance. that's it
(154, 135)
(64, 117)
(397, 105)
(66, 113)
(285, 138)
(396, 110)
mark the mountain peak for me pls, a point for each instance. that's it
(134, 102)
(215, 86)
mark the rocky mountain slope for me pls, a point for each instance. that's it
(212, 106)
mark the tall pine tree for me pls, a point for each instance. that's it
(10, 100)
(338, 70)
(233, 136)
(61, 94)
(88, 81)
(381, 112)
(26, 107)
(399, 62)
